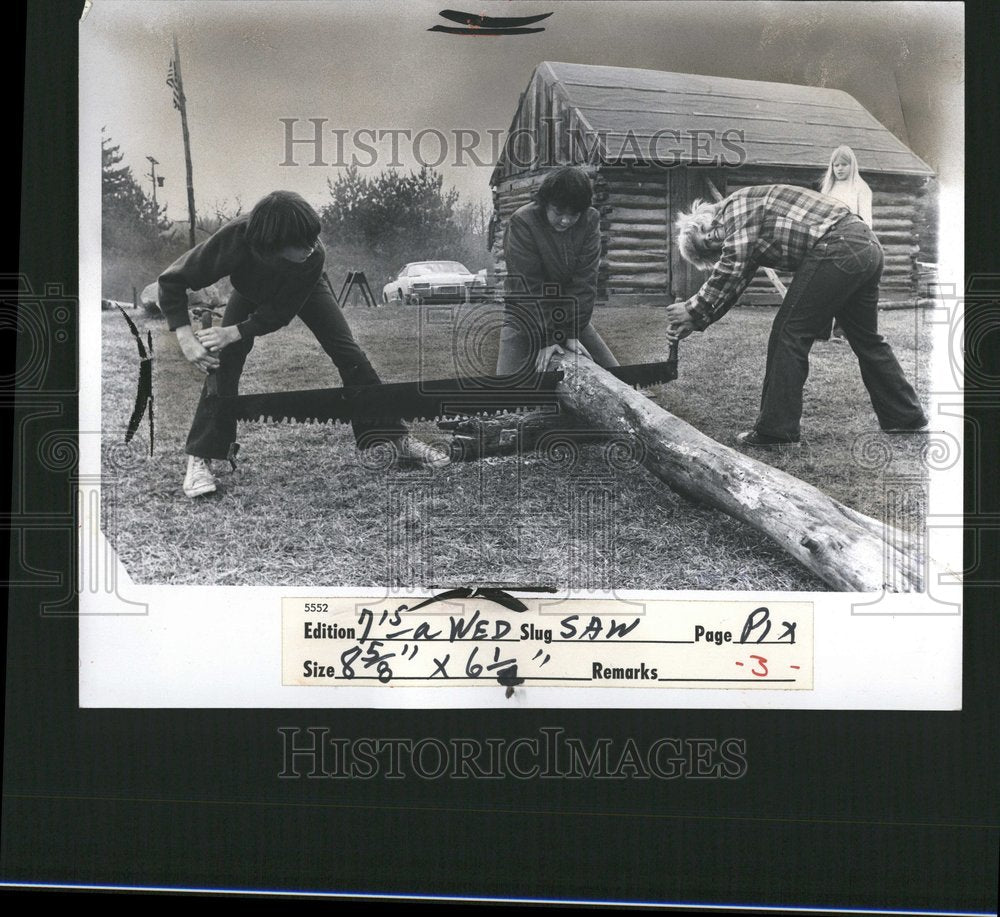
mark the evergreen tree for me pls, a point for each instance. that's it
(378, 224)
(127, 211)
(133, 250)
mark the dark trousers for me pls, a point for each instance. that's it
(212, 436)
(522, 335)
(838, 279)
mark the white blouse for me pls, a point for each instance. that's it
(858, 198)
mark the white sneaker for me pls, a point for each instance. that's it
(413, 451)
(199, 479)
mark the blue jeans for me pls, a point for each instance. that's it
(839, 279)
(211, 435)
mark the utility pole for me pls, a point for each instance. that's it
(152, 176)
(180, 103)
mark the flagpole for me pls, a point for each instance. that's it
(187, 141)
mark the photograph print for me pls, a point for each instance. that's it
(614, 303)
(610, 315)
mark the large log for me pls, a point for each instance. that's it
(637, 262)
(638, 214)
(644, 274)
(633, 242)
(657, 200)
(893, 210)
(897, 223)
(895, 237)
(893, 198)
(654, 280)
(656, 230)
(849, 551)
(643, 184)
(626, 251)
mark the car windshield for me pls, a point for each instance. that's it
(437, 267)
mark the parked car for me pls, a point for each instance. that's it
(432, 281)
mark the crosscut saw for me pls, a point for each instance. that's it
(435, 399)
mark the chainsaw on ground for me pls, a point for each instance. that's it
(450, 402)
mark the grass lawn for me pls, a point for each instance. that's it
(302, 509)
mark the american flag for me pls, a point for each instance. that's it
(174, 83)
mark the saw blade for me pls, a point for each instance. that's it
(642, 375)
(425, 400)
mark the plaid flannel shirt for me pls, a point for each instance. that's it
(765, 226)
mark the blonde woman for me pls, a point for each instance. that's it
(843, 183)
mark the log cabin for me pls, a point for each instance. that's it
(654, 141)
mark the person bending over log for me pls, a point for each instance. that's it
(552, 247)
(837, 263)
(274, 259)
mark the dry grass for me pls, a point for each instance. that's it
(302, 509)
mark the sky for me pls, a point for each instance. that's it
(373, 65)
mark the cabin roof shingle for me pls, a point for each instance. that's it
(782, 124)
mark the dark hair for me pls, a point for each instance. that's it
(568, 188)
(280, 219)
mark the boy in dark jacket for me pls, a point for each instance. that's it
(274, 260)
(552, 248)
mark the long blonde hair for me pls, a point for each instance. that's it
(853, 179)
